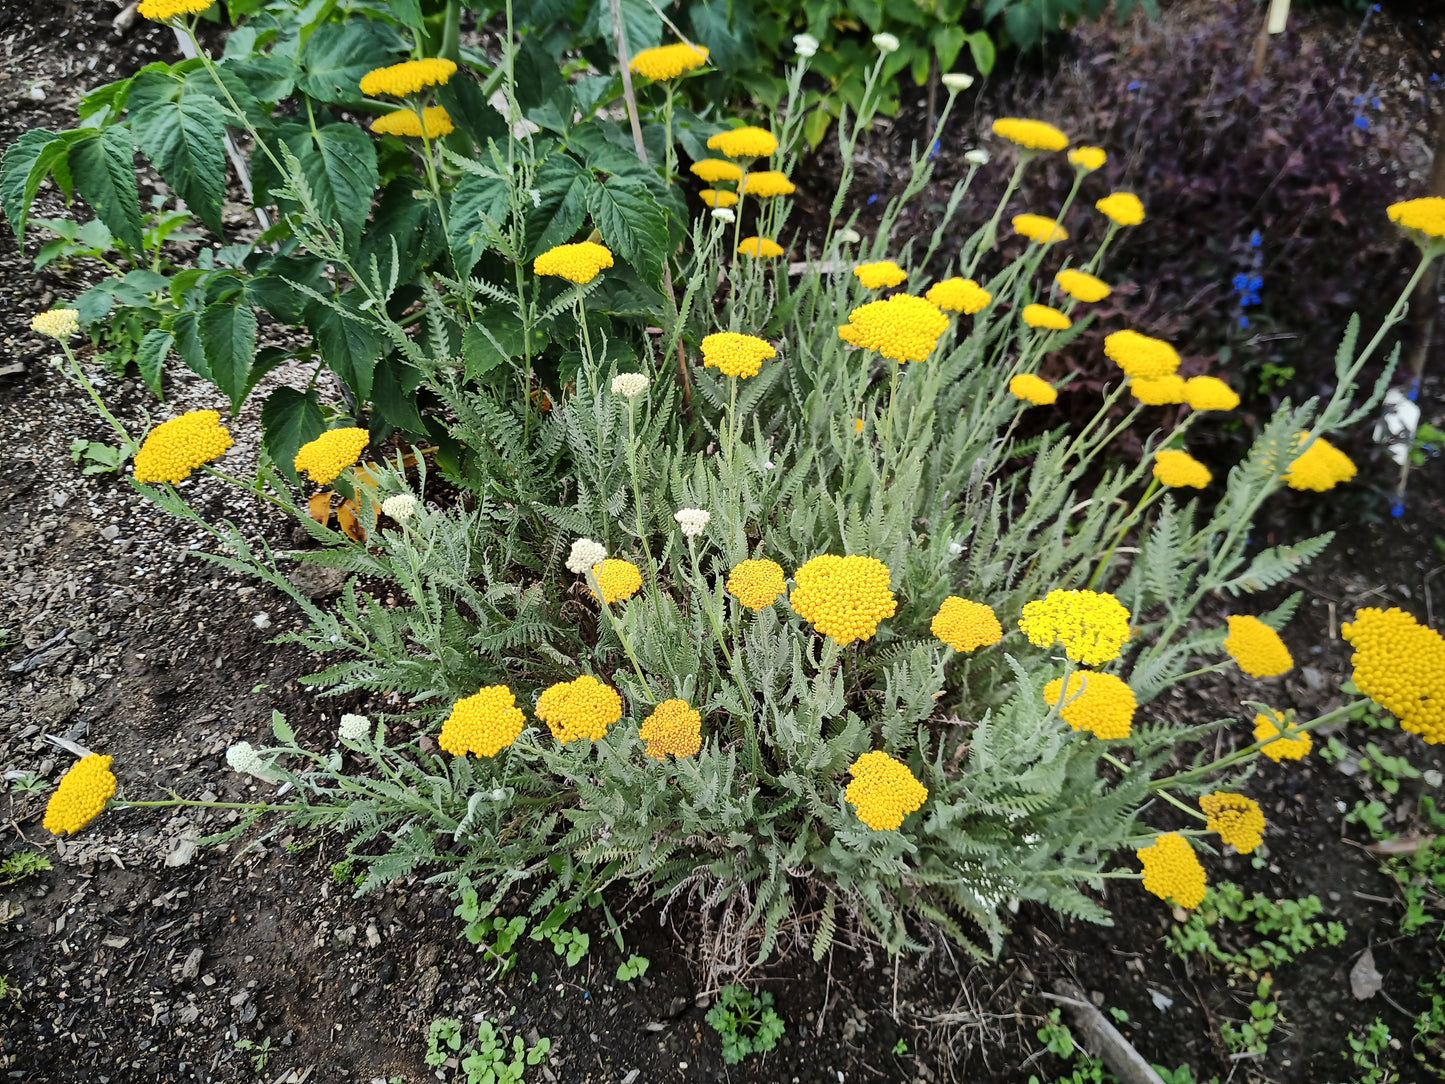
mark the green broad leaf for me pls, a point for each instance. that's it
(349, 347)
(478, 210)
(340, 163)
(338, 54)
(103, 166)
(640, 21)
(268, 78)
(983, 50)
(536, 72)
(562, 190)
(228, 337)
(633, 225)
(271, 287)
(393, 395)
(150, 356)
(404, 228)
(184, 138)
(27, 162)
(467, 105)
(187, 331)
(948, 43)
(289, 419)
(104, 104)
(407, 12)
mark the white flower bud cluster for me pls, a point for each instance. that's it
(693, 521)
(629, 385)
(243, 758)
(976, 157)
(806, 44)
(355, 727)
(724, 215)
(585, 555)
(886, 43)
(956, 81)
(400, 507)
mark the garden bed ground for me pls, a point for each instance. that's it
(139, 957)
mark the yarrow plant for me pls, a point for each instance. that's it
(748, 592)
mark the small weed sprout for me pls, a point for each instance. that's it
(745, 1021)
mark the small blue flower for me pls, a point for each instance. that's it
(1254, 239)
(1362, 122)
(933, 150)
(1243, 320)
(1135, 85)
(1359, 99)
(1434, 77)
(1397, 509)
(873, 199)
(1414, 392)
(1241, 282)
(1375, 102)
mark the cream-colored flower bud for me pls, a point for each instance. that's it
(355, 727)
(243, 758)
(585, 553)
(724, 215)
(693, 521)
(976, 157)
(399, 507)
(956, 81)
(57, 323)
(806, 44)
(629, 385)
(886, 43)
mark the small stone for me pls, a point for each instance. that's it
(192, 967)
(262, 621)
(59, 497)
(110, 533)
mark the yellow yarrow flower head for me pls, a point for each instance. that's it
(879, 274)
(1033, 389)
(80, 795)
(331, 453)
(959, 295)
(176, 447)
(713, 170)
(1400, 665)
(903, 327)
(617, 579)
(965, 625)
(674, 727)
(747, 142)
(1046, 317)
(579, 263)
(1034, 135)
(735, 354)
(1425, 217)
(1092, 626)
(1142, 357)
(1172, 870)
(581, 708)
(1122, 208)
(1040, 228)
(760, 247)
(668, 61)
(59, 324)
(434, 122)
(483, 724)
(883, 791)
(1282, 739)
(1256, 647)
(160, 10)
(1082, 286)
(1209, 393)
(1177, 469)
(714, 197)
(1158, 390)
(1236, 817)
(757, 583)
(843, 597)
(408, 77)
(1088, 159)
(1320, 467)
(765, 183)
(1094, 701)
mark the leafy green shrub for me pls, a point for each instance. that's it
(746, 1022)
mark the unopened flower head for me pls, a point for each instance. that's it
(1094, 701)
(674, 728)
(692, 521)
(617, 580)
(736, 354)
(669, 61)
(1400, 665)
(1256, 647)
(849, 236)
(879, 274)
(582, 708)
(1034, 135)
(1172, 870)
(844, 597)
(408, 77)
(80, 795)
(354, 727)
(579, 263)
(629, 385)
(60, 324)
(902, 328)
(178, 446)
(483, 724)
(160, 10)
(976, 157)
(1236, 817)
(805, 44)
(756, 583)
(331, 453)
(399, 506)
(957, 81)
(746, 142)
(1092, 626)
(886, 43)
(727, 217)
(242, 757)
(965, 625)
(883, 791)
(959, 295)
(585, 554)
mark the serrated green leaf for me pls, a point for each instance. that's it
(338, 54)
(633, 225)
(184, 138)
(103, 166)
(289, 419)
(562, 190)
(150, 357)
(27, 162)
(479, 207)
(228, 338)
(349, 347)
(188, 344)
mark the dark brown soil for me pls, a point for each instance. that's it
(139, 959)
